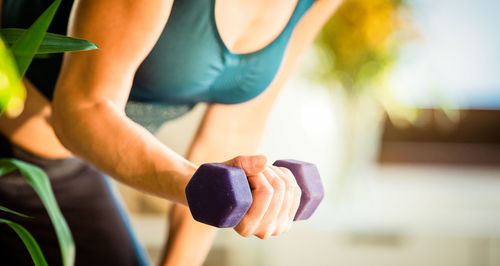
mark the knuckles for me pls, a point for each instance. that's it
(240, 161)
(266, 190)
(287, 172)
(278, 185)
(289, 178)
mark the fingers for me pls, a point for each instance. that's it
(252, 165)
(269, 222)
(276, 197)
(293, 196)
(262, 194)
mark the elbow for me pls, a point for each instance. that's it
(61, 122)
(70, 119)
(76, 121)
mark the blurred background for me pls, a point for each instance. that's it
(398, 104)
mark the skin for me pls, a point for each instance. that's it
(93, 88)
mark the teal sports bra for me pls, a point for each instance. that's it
(190, 63)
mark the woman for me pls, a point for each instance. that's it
(235, 55)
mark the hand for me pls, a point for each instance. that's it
(276, 197)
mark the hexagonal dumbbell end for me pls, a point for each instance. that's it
(218, 195)
(309, 181)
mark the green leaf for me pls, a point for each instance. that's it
(7, 168)
(40, 182)
(5, 209)
(51, 43)
(24, 49)
(12, 93)
(29, 242)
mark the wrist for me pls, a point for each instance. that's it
(187, 174)
(172, 182)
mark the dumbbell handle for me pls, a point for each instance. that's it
(219, 195)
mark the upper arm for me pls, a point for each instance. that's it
(125, 31)
(246, 121)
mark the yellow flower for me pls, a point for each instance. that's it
(360, 39)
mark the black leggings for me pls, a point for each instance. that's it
(101, 235)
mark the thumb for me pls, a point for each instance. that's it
(252, 164)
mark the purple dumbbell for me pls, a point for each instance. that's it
(219, 195)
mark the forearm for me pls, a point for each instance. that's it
(103, 135)
(228, 131)
(92, 90)
(189, 241)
